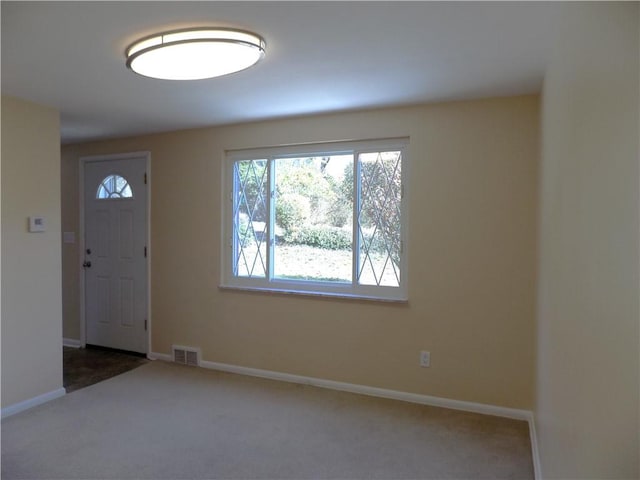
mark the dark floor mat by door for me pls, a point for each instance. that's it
(85, 366)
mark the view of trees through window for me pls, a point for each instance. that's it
(316, 204)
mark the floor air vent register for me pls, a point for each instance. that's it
(186, 355)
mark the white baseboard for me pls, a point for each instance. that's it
(32, 402)
(363, 389)
(71, 342)
(159, 356)
(535, 453)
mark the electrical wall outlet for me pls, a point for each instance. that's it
(425, 358)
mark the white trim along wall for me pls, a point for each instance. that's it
(71, 342)
(32, 402)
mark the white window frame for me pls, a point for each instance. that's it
(305, 287)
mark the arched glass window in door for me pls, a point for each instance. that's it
(114, 186)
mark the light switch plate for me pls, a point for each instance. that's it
(36, 224)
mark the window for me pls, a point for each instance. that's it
(114, 186)
(324, 219)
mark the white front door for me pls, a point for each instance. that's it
(115, 251)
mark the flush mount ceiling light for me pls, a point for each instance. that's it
(195, 53)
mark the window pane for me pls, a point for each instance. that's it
(319, 219)
(121, 183)
(102, 192)
(114, 186)
(250, 218)
(314, 218)
(379, 218)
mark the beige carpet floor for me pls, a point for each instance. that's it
(166, 421)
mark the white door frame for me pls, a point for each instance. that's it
(101, 158)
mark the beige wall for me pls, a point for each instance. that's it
(588, 363)
(473, 211)
(31, 270)
(69, 184)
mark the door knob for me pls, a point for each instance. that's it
(86, 264)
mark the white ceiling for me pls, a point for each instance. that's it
(321, 57)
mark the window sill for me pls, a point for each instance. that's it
(315, 294)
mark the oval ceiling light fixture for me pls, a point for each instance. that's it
(195, 53)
